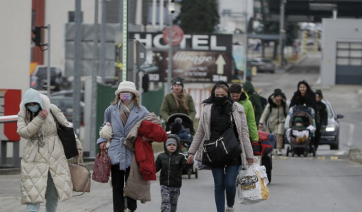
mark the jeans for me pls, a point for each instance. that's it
(224, 179)
(51, 196)
(119, 177)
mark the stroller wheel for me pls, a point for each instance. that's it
(189, 172)
(305, 153)
(288, 150)
(196, 173)
(293, 153)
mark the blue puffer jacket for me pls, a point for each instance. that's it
(118, 152)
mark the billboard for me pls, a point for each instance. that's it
(197, 58)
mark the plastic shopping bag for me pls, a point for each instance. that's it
(251, 185)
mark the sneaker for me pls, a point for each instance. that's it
(229, 209)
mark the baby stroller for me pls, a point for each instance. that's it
(300, 146)
(181, 125)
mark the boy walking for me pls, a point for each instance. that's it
(171, 163)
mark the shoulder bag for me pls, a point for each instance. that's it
(223, 150)
(81, 177)
(66, 135)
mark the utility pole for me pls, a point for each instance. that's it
(77, 69)
(125, 38)
(281, 33)
(102, 55)
(246, 41)
(48, 63)
(171, 8)
(92, 149)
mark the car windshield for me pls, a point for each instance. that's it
(266, 61)
(329, 109)
(42, 72)
(62, 102)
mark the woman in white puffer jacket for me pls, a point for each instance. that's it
(44, 168)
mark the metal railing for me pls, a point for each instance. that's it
(16, 145)
(8, 119)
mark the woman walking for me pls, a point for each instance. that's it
(178, 101)
(214, 121)
(274, 117)
(44, 168)
(123, 114)
(304, 96)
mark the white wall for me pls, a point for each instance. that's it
(56, 14)
(335, 30)
(15, 36)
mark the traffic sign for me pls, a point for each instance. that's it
(177, 35)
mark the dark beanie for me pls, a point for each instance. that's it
(178, 81)
(319, 92)
(278, 92)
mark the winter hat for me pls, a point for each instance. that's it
(127, 86)
(278, 92)
(178, 81)
(298, 120)
(171, 140)
(178, 120)
(319, 92)
(175, 127)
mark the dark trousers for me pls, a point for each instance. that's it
(119, 177)
(317, 137)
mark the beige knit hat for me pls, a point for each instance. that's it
(127, 86)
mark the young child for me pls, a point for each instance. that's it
(178, 129)
(171, 163)
(300, 131)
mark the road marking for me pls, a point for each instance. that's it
(321, 158)
(309, 158)
(334, 158)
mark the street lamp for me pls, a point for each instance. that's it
(171, 10)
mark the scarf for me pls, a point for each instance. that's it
(124, 110)
(180, 98)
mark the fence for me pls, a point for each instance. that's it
(16, 147)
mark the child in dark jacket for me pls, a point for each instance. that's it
(171, 163)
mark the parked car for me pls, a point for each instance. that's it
(67, 93)
(330, 133)
(263, 65)
(39, 78)
(65, 104)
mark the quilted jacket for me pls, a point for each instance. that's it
(38, 161)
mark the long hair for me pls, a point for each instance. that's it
(224, 87)
(180, 98)
(134, 98)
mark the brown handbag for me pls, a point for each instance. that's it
(80, 176)
(102, 167)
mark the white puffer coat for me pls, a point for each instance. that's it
(38, 161)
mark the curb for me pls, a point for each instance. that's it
(355, 155)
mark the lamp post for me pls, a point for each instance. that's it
(171, 9)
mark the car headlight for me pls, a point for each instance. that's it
(330, 128)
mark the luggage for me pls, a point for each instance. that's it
(265, 145)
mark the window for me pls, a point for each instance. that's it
(71, 16)
(349, 53)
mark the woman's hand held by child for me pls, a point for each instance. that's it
(190, 159)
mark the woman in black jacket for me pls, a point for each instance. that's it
(304, 95)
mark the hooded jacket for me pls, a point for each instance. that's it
(143, 150)
(275, 116)
(250, 116)
(308, 98)
(203, 131)
(171, 165)
(254, 99)
(37, 162)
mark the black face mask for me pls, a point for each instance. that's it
(220, 100)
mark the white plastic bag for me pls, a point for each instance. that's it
(251, 185)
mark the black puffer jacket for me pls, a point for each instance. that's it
(308, 99)
(171, 166)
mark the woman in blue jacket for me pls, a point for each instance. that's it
(123, 114)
